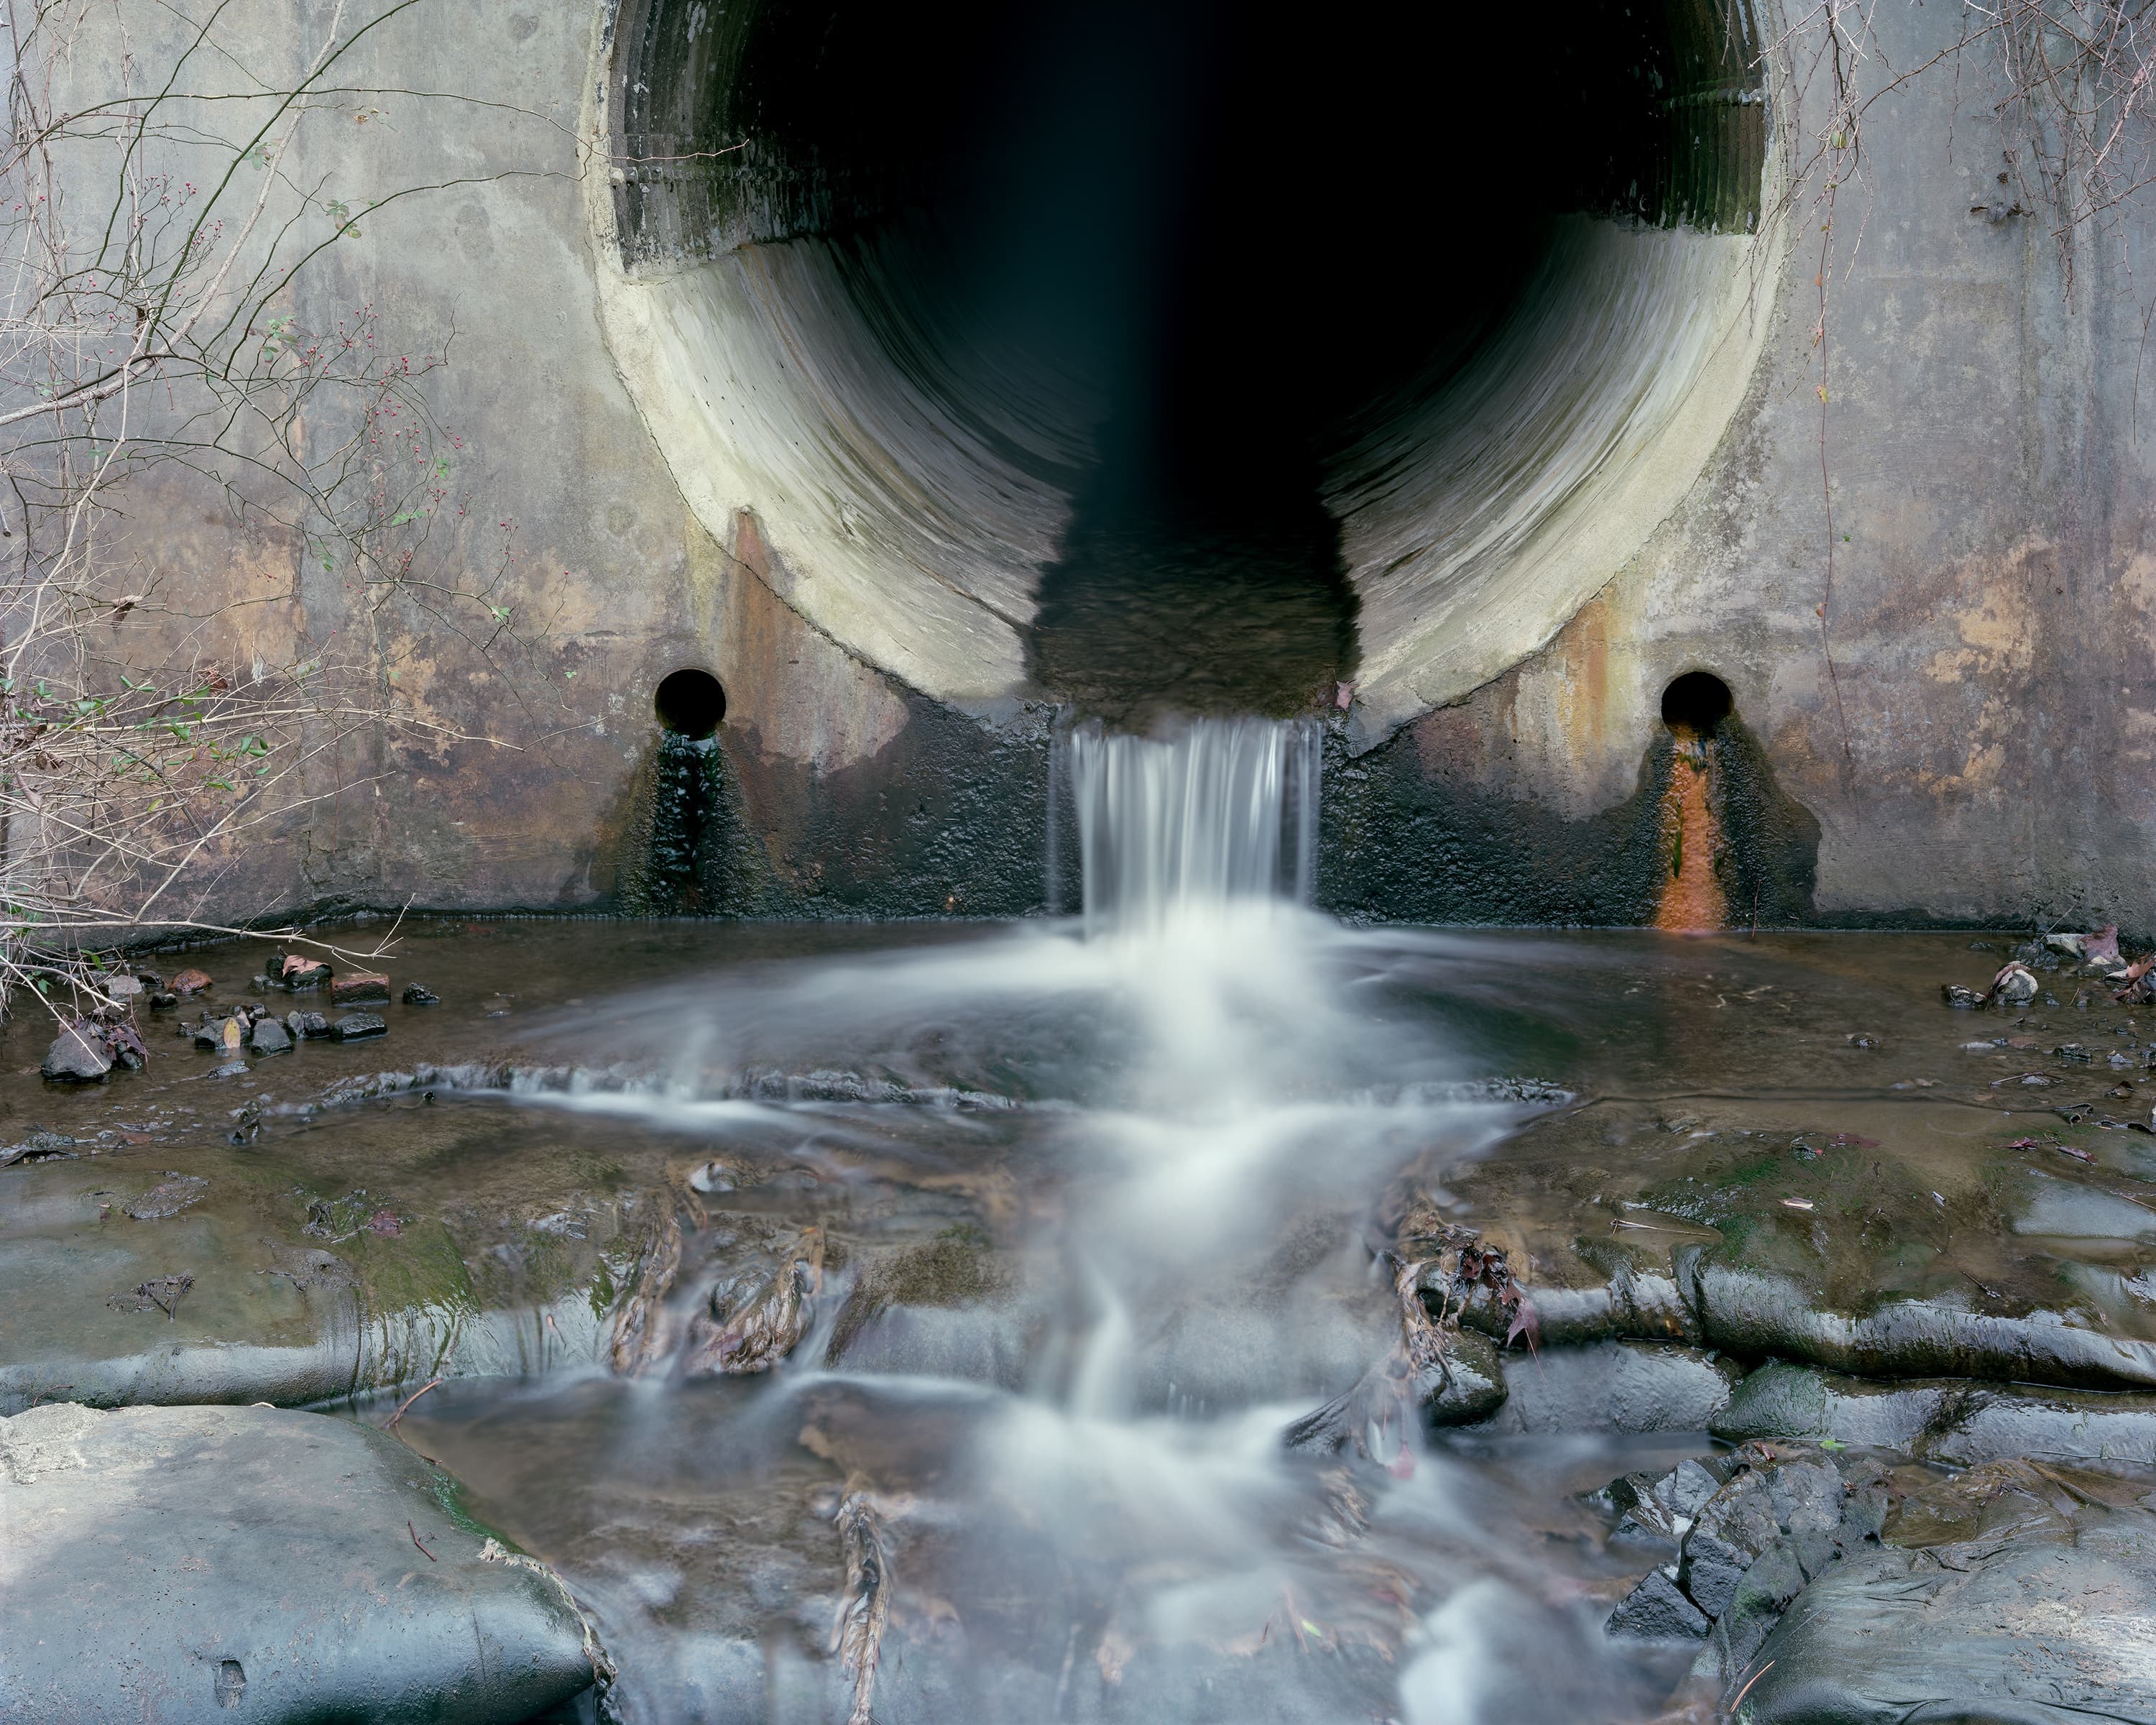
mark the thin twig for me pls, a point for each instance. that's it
(390, 1424)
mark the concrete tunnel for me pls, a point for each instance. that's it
(1144, 355)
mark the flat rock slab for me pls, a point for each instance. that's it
(2023, 1632)
(165, 1565)
(294, 1291)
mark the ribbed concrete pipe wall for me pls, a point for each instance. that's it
(1504, 297)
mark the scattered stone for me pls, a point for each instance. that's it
(418, 995)
(1657, 1610)
(39, 1147)
(1959, 998)
(78, 1055)
(163, 1002)
(269, 1037)
(2013, 986)
(121, 988)
(230, 1069)
(287, 1566)
(355, 1025)
(1783, 1516)
(177, 1191)
(359, 986)
(192, 982)
(313, 1024)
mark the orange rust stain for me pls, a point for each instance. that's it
(1691, 900)
(1583, 692)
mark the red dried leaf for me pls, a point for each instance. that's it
(1526, 1321)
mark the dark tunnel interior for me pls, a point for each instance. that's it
(1224, 241)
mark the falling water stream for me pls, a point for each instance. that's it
(1079, 1218)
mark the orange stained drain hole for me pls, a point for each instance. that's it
(1691, 900)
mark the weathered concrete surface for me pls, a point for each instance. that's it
(176, 1564)
(297, 1291)
(1978, 745)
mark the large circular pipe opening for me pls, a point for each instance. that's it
(1165, 353)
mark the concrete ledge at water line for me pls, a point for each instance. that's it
(1953, 1420)
(1611, 1387)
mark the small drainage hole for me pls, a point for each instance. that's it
(1697, 702)
(691, 703)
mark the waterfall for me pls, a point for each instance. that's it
(1227, 810)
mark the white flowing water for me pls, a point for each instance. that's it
(1173, 1121)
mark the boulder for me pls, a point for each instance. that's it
(354, 1026)
(78, 1055)
(182, 1564)
(269, 1036)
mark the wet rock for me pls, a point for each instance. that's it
(269, 1037)
(121, 988)
(78, 1055)
(298, 972)
(2013, 986)
(39, 1147)
(311, 1025)
(1943, 1420)
(417, 994)
(1959, 998)
(1472, 1386)
(168, 1198)
(1752, 1531)
(2047, 1614)
(1615, 1386)
(356, 1026)
(1657, 1610)
(1660, 1511)
(163, 1002)
(358, 988)
(192, 982)
(280, 1566)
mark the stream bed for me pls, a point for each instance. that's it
(1024, 1247)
